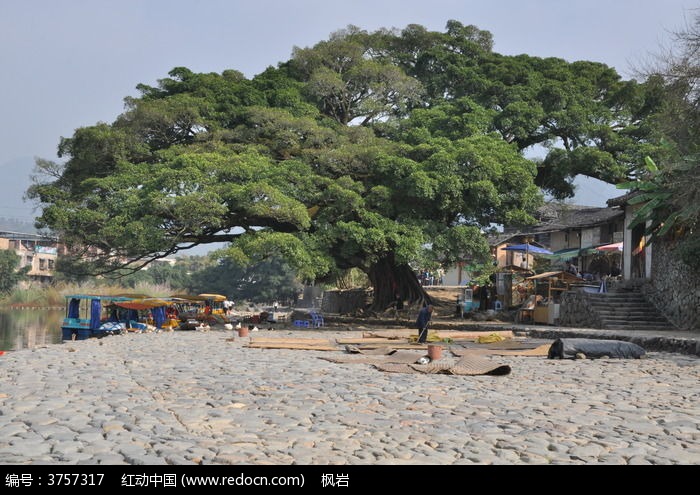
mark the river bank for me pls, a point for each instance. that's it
(206, 398)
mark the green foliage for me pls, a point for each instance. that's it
(672, 194)
(676, 78)
(348, 83)
(263, 282)
(483, 273)
(564, 107)
(261, 246)
(668, 195)
(669, 200)
(461, 243)
(356, 153)
(10, 273)
(69, 270)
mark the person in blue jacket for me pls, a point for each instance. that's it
(424, 316)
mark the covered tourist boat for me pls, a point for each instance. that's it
(95, 315)
(201, 309)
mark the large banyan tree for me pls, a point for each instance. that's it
(359, 152)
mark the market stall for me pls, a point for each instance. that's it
(550, 286)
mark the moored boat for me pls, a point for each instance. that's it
(97, 315)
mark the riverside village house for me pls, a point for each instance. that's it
(36, 251)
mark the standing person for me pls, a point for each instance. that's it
(424, 316)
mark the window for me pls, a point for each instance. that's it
(52, 263)
(42, 264)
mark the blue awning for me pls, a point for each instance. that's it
(527, 248)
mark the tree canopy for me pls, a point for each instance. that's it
(670, 192)
(264, 282)
(357, 152)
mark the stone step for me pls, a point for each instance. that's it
(633, 319)
(611, 305)
(626, 311)
(620, 303)
(616, 294)
(627, 314)
(645, 328)
(616, 304)
(622, 313)
(597, 298)
(622, 319)
(606, 300)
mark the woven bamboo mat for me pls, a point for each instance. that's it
(467, 365)
(541, 350)
(353, 359)
(378, 351)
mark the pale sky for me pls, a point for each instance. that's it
(65, 64)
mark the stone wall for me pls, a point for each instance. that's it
(575, 311)
(674, 288)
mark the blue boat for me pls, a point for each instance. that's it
(84, 315)
(93, 315)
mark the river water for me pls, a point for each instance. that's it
(27, 328)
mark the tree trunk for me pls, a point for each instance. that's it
(389, 279)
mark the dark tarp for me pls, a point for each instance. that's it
(594, 348)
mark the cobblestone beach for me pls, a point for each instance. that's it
(204, 398)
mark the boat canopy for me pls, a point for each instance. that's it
(146, 303)
(201, 297)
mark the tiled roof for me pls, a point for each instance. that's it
(555, 216)
(495, 240)
(517, 238)
(622, 200)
